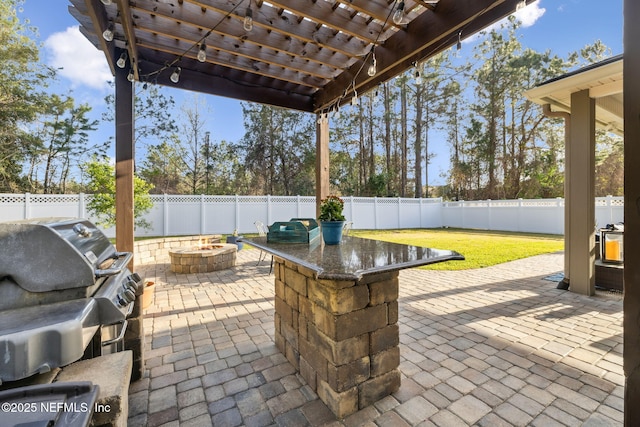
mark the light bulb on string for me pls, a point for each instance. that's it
(131, 77)
(398, 15)
(373, 67)
(175, 76)
(122, 61)
(248, 19)
(521, 5)
(108, 33)
(202, 52)
(106, 2)
(459, 44)
(354, 100)
(418, 76)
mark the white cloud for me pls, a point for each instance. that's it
(77, 59)
(527, 16)
(530, 14)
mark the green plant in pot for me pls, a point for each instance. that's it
(331, 219)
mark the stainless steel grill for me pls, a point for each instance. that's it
(61, 283)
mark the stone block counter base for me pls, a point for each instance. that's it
(336, 315)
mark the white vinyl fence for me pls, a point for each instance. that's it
(174, 215)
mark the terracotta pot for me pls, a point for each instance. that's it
(147, 295)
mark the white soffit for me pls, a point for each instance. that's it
(604, 83)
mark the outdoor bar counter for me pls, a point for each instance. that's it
(336, 314)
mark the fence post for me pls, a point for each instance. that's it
(202, 214)
(560, 215)
(237, 213)
(27, 205)
(298, 211)
(421, 212)
(165, 215)
(610, 209)
(519, 223)
(351, 208)
(81, 211)
(399, 211)
(269, 209)
(489, 216)
(375, 212)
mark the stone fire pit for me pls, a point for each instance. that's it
(211, 257)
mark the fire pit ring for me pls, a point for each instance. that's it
(205, 259)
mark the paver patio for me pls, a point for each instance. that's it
(490, 347)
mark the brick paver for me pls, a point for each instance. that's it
(496, 346)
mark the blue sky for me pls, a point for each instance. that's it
(562, 26)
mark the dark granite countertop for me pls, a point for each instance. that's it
(354, 257)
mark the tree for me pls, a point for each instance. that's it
(192, 141)
(163, 168)
(279, 150)
(609, 165)
(21, 91)
(152, 110)
(102, 185)
(61, 140)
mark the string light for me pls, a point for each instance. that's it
(521, 4)
(202, 53)
(373, 67)
(354, 100)
(131, 77)
(248, 19)
(106, 2)
(108, 33)
(122, 61)
(175, 76)
(418, 76)
(459, 44)
(398, 16)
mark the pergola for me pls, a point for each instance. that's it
(308, 55)
(314, 55)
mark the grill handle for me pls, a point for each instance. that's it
(115, 270)
(120, 335)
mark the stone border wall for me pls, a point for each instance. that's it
(153, 251)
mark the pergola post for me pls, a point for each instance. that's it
(322, 159)
(581, 193)
(631, 304)
(124, 162)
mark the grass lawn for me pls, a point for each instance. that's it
(480, 248)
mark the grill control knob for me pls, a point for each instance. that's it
(130, 284)
(82, 230)
(121, 301)
(128, 296)
(135, 277)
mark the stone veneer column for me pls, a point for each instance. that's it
(342, 336)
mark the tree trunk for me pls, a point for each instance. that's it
(417, 145)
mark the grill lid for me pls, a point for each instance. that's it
(48, 254)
